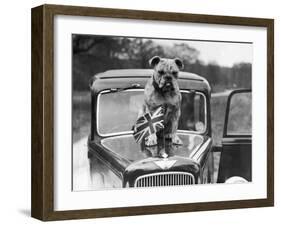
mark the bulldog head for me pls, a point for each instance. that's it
(165, 72)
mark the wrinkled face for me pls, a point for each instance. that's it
(166, 72)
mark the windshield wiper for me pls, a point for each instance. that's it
(132, 86)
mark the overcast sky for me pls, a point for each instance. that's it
(223, 53)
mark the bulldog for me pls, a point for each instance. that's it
(162, 89)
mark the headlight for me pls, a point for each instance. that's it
(236, 179)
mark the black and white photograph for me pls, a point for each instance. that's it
(152, 112)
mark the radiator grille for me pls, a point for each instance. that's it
(165, 179)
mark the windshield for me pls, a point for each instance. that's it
(117, 111)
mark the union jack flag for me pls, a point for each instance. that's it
(148, 124)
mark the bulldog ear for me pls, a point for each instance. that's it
(154, 61)
(179, 63)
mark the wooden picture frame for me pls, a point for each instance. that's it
(42, 203)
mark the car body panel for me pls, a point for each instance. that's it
(236, 150)
(130, 160)
(152, 165)
(235, 159)
(125, 78)
(127, 147)
(119, 154)
(120, 79)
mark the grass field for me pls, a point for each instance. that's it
(218, 106)
(81, 115)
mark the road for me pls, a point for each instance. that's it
(81, 167)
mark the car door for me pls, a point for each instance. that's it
(236, 154)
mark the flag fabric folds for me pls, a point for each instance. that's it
(148, 124)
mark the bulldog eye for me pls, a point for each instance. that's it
(161, 72)
(175, 73)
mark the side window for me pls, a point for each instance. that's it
(193, 115)
(199, 113)
(239, 114)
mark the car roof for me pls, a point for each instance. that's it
(131, 73)
(122, 78)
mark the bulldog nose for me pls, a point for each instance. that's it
(169, 78)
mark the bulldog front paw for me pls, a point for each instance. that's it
(176, 140)
(151, 140)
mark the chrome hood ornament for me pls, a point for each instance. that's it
(165, 163)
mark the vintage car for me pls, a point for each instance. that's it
(117, 160)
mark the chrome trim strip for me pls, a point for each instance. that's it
(198, 152)
(131, 132)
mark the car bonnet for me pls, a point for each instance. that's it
(126, 147)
